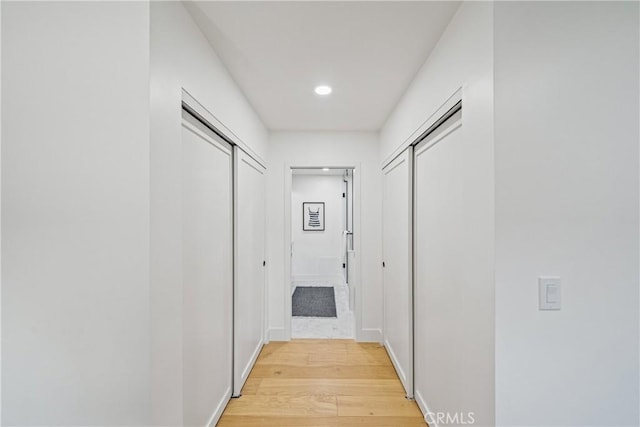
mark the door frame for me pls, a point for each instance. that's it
(357, 229)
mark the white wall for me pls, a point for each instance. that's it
(566, 108)
(326, 149)
(463, 59)
(180, 58)
(318, 255)
(75, 213)
(0, 213)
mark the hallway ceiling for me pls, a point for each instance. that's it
(277, 52)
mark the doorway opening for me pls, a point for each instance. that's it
(322, 264)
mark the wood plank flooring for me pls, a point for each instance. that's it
(314, 383)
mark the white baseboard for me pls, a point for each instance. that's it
(237, 388)
(401, 374)
(278, 334)
(215, 417)
(252, 361)
(424, 408)
(369, 335)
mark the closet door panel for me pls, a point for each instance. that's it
(453, 274)
(249, 294)
(397, 270)
(207, 279)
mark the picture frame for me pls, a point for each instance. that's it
(313, 216)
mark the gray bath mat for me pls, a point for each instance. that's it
(313, 301)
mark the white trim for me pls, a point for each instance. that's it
(217, 413)
(288, 183)
(424, 408)
(369, 335)
(434, 117)
(211, 138)
(357, 250)
(424, 146)
(249, 367)
(200, 109)
(399, 371)
(1, 215)
(255, 166)
(278, 334)
(391, 166)
(360, 334)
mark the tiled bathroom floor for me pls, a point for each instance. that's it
(323, 327)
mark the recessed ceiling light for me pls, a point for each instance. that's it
(325, 169)
(323, 90)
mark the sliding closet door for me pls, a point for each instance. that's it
(453, 274)
(207, 279)
(397, 267)
(249, 296)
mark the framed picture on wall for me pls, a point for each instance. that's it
(313, 216)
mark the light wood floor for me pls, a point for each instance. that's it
(322, 383)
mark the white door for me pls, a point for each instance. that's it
(397, 267)
(207, 278)
(249, 289)
(446, 274)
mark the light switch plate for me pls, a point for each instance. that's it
(549, 293)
